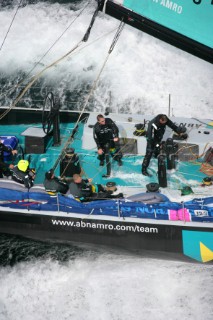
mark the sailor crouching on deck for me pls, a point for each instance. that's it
(5, 167)
(21, 173)
(53, 184)
(155, 132)
(105, 133)
(83, 190)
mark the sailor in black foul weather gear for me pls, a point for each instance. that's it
(5, 167)
(80, 188)
(155, 132)
(83, 190)
(53, 184)
(23, 174)
(105, 134)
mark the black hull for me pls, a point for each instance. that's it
(160, 32)
(155, 237)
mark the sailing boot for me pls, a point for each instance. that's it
(108, 165)
(101, 158)
(105, 175)
(118, 155)
(145, 172)
(120, 163)
(145, 164)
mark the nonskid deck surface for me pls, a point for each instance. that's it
(44, 161)
(173, 223)
(128, 177)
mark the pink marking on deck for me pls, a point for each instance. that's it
(181, 214)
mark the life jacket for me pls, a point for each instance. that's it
(22, 177)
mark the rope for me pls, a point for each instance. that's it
(87, 34)
(78, 15)
(120, 28)
(100, 171)
(79, 49)
(195, 157)
(117, 35)
(18, 84)
(19, 5)
(201, 121)
(85, 38)
(104, 6)
(44, 55)
(207, 169)
(34, 80)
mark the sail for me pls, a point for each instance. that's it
(187, 24)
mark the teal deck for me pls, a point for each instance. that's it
(186, 173)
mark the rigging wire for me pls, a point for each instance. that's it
(44, 55)
(38, 75)
(54, 43)
(10, 26)
(120, 28)
(117, 35)
(11, 107)
(87, 34)
(21, 94)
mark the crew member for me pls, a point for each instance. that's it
(21, 173)
(155, 132)
(53, 184)
(5, 167)
(83, 190)
(105, 134)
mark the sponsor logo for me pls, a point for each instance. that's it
(171, 5)
(198, 245)
(201, 213)
(104, 226)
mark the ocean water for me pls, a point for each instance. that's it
(59, 281)
(45, 281)
(140, 75)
